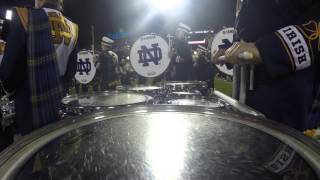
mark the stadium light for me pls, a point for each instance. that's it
(165, 5)
(9, 14)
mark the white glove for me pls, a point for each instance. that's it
(238, 53)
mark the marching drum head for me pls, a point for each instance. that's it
(157, 93)
(197, 102)
(86, 69)
(76, 105)
(223, 39)
(187, 95)
(163, 142)
(140, 88)
(149, 56)
(105, 99)
(185, 85)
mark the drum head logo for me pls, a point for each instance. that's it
(85, 67)
(223, 40)
(149, 56)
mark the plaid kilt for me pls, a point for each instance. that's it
(44, 80)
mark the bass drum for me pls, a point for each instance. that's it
(163, 142)
(86, 103)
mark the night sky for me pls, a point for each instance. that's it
(136, 17)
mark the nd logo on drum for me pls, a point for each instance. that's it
(86, 69)
(153, 54)
(84, 66)
(149, 56)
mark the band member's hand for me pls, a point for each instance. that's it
(216, 55)
(241, 53)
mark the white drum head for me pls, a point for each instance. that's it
(149, 56)
(223, 39)
(86, 69)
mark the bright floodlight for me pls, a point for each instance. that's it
(163, 5)
(9, 15)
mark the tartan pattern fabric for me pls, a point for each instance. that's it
(44, 80)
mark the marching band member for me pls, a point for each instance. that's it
(2, 47)
(204, 69)
(2, 43)
(181, 57)
(127, 74)
(39, 57)
(108, 65)
(282, 39)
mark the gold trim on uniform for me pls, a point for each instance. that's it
(2, 47)
(60, 29)
(23, 16)
(311, 31)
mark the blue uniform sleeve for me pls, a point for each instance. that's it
(294, 47)
(71, 67)
(13, 66)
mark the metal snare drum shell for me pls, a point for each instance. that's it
(163, 142)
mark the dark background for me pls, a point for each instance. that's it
(111, 16)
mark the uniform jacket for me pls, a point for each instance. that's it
(14, 71)
(109, 76)
(184, 68)
(286, 32)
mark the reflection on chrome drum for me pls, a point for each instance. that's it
(212, 103)
(8, 113)
(186, 86)
(163, 142)
(156, 92)
(86, 103)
